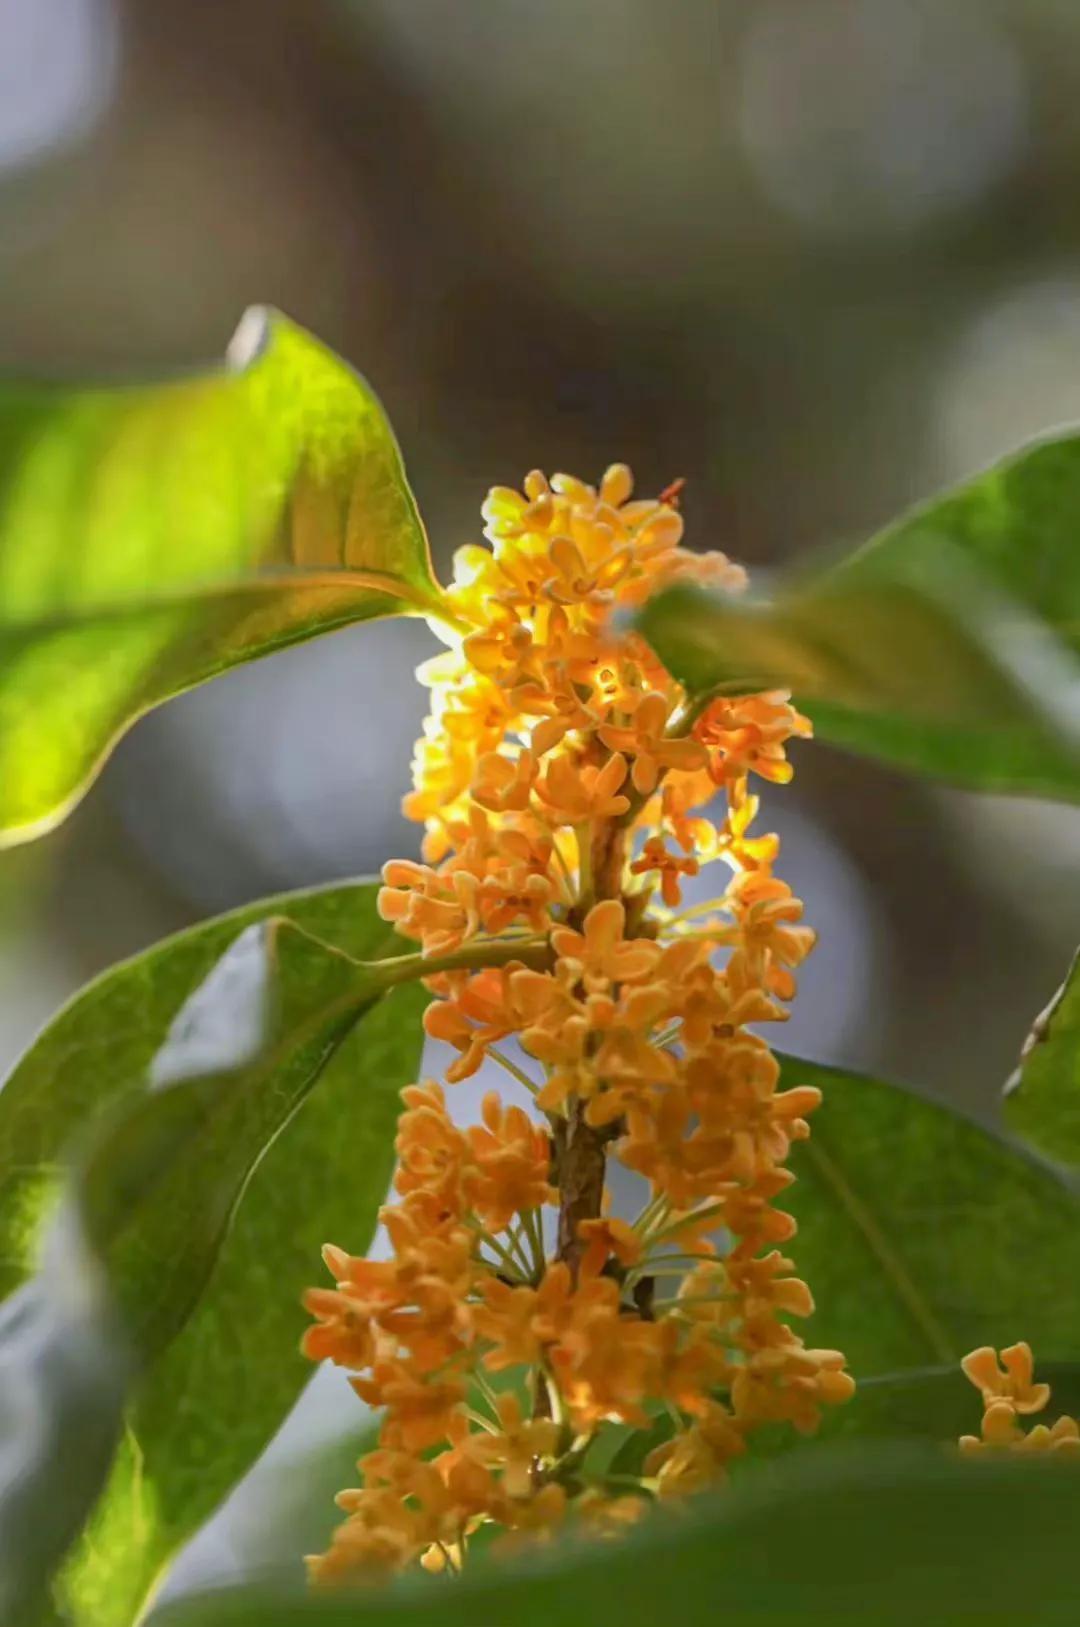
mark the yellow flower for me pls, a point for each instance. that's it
(572, 794)
(693, 1459)
(655, 856)
(1011, 1379)
(646, 742)
(511, 1159)
(517, 1447)
(1009, 1392)
(600, 954)
(608, 1238)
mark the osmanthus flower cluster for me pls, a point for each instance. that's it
(568, 787)
(1009, 1393)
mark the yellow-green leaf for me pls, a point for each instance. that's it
(151, 536)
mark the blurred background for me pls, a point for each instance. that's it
(817, 256)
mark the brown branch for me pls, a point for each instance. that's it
(582, 1161)
(581, 1150)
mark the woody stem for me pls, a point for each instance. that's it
(581, 1149)
(582, 1161)
(608, 856)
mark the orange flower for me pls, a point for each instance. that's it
(342, 1333)
(441, 911)
(540, 765)
(608, 1238)
(1012, 1380)
(600, 954)
(606, 1363)
(655, 856)
(420, 1409)
(381, 1535)
(511, 1158)
(504, 783)
(1009, 1391)
(478, 1014)
(506, 1320)
(782, 1381)
(432, 1152)
(766, 942)
(748, 734)
(692, 1460)
(520, 1322)
(518, 1447)
(646, 742)
(573, 794)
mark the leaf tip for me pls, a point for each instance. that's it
(251, 338)
(223, 1026)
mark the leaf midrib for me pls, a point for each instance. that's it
(894, 1270)
(180, 598)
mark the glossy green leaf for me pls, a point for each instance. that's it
(1042, 1098)
(949, 645)
(888, 1539)
(219, 1391)
(153, 536)
(145, 1210)
(239, 1060)
(923, 1235)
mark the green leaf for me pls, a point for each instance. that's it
(154, 536)
(949, 645)
(64, 1374)
(239, 1060)
(1015, 522)
(217, 1394)
(935, 1404)
(887, 1539)
(100, 1047)
(1042, 1098)
(145, 1212)
(923, 1235)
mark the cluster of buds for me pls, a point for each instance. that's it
(568, 787)
(1009, 1393)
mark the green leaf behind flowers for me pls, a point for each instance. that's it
(949, 645)
(923, 1234)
